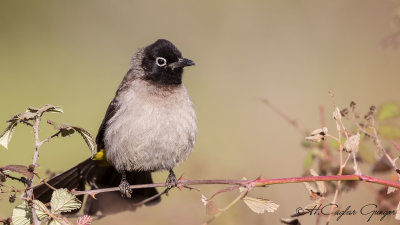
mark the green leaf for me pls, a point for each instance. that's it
(308, 160)
(388, 111)
(41, 210)
(7, 134)
(87, 137)
(22, 215)
(63, 201)
(389, 132)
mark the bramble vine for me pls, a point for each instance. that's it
(330, 176)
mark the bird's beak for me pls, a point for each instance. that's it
(182, 62)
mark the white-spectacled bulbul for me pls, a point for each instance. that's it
(150, 125)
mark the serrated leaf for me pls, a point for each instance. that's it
(259, 205)
(63, 201)
(84, 220)
(7, 134)
(87, 137)
(22, 214)
(41, 210)
(388, 111)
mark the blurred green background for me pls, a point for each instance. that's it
(75, 53)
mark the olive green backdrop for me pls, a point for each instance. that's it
(75, 53)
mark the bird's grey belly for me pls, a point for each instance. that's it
(149, 137)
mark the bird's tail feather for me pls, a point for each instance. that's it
(88, 172)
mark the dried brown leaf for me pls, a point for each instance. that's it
(19, 169)
(351, 144)
(290, 221)
(259, 205)
(320, 184)
(211, 208)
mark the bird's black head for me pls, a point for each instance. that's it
(163, 63)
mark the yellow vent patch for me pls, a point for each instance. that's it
(100, 156)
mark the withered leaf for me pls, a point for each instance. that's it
(67, 130)
(290, 221)
(6, 135)
(351, 144)
(211, 208)
(320, 184)
(19, 169)
(312, 191)
(88, 138)
(51, 108)
(391, 190)
(260, 205)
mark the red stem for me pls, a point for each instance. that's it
(256, 183)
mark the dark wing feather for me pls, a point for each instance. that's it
(112, 108)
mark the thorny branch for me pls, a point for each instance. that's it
(38, 144)
(254, 183)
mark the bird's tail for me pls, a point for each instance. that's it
(90, 173)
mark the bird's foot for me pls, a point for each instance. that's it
(171, 180)
(124, 187)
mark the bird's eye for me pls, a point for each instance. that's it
(160, 61)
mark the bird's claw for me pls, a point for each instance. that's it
(171, 180)
(124, 189)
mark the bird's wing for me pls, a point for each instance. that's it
(112, 108)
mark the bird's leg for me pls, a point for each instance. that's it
(124, 186)
(171, 180)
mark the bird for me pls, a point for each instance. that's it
(149, 125)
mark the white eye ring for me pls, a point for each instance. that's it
(160, 61)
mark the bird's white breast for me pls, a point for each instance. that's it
(154, 128)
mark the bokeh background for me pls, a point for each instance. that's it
(75, 53)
